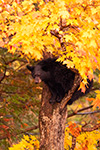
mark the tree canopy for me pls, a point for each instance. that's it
(46, 26)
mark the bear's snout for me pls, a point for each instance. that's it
(37, 80)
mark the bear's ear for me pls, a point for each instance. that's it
(30, 68)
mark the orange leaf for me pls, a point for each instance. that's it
(25, 124)
(89, 99)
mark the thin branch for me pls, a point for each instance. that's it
(97, 126)
(11, 61)
(18, 133)
(60, 37)
(73, 143)
(85, 108)
(29, 129)
(4, 75)
(56, 34)
(83, 130)
(64, 27)
(6, 63)
(94, 89)
(76, 112)
(88, 113)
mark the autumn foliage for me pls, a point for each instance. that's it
(68, 29)
(48, 26)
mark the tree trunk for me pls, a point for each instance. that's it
(52, 124)
(52, 120)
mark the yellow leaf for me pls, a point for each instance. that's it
(70, 64)
(64, 14)
(78, 11)
(87, 34)
(97, 91)
(93, 11)
(26, 137)
(79, 1)
(88, 19)
(98, 26)
(68, 38)
(93, 44)
(82, 86)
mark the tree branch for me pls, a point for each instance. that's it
(73, 143)
(83, 130)
(65, 100)
(76, 111)
(18, 133)
(4, 75)
(88, 113)
(60, 37)
(97, 126)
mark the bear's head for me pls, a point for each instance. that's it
(40, 72)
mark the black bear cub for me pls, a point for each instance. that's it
(58, 78)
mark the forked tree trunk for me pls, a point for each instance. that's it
(52, 120)
(52, 124)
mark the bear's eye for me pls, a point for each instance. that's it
(45, 68)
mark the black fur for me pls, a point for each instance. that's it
(59, 79)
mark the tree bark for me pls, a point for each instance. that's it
(52, 124)
(52, 120)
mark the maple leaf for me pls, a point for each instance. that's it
(64, 14)
(93, 44)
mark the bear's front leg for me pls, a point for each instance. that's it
(60, 93)
(52, 100)
(53, 91)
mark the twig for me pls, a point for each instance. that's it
(83, 130)
(73, 143)
(4, 75)
(97, 126)
(76, 112)
(60, 37)
(18, 133)
(88, 113)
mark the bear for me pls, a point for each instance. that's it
(58, 78)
